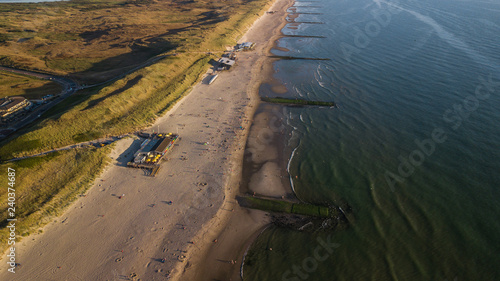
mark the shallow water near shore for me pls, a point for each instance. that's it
(412, 146)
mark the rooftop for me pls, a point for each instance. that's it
(246, 45)
(226, 61)
(161, 146)
(10, 102)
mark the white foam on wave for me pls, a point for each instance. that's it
(378, 3)
(318, 70)
(288, 168)
(489, 23)
(301, 94)
(447, 36)
(324, 80)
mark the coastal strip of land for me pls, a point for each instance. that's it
(131, 226)
(223, 246)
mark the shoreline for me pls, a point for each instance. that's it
(241, 227)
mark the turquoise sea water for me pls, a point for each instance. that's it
(413, 146)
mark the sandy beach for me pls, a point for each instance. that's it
(259, 171)
(125, 226)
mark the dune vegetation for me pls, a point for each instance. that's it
(44, 186)
(19, 85)
(93, 41)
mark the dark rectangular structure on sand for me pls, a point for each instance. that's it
(152, 150)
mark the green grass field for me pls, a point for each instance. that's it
(96, 40)
(19, 85)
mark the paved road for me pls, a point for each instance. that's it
(69, 88)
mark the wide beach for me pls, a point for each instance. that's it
(125, 227)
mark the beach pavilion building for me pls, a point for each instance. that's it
(10, 106)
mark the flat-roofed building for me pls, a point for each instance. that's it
(153, 148)
(9, 106)
(246, 46)
(226, 63)
(162, 146)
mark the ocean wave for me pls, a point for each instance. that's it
(448, 37)
(288, 168)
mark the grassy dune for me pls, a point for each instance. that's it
(94, 40)
(46, 185)
(19, 85)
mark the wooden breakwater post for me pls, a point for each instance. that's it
(280, 206)
(297, 102)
